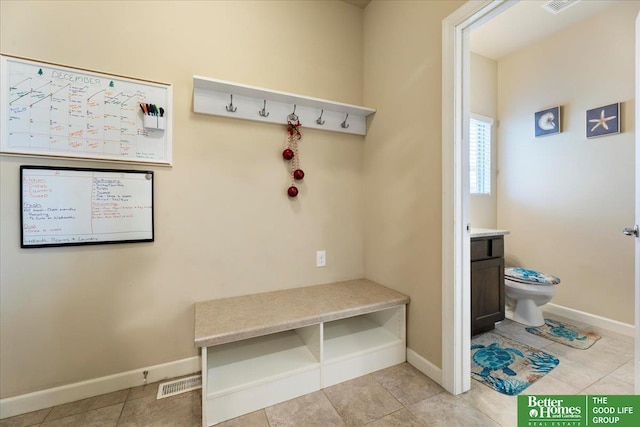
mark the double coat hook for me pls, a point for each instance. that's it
(230, 108)
(319, 119)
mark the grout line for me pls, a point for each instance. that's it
(122, 409)
(331, 403)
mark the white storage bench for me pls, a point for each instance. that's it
(263, 349)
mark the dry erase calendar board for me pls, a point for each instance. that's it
(82, 206)
(57, 111)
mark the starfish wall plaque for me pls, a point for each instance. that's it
(603, 120)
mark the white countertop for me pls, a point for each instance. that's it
(488, 232)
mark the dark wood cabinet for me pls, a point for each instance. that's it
(487, 283)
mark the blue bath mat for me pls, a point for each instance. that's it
(508, 366)
(565, 334)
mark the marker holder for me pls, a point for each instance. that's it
(154, 122)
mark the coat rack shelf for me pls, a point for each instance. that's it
(223, 98)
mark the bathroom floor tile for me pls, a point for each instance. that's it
(575, 373)
(609, 385)
(25, 420)
(400, 418)
(143, 391)
(254, 419)
(182, 410)
(601, 356)
(361, 400)
(622, 344)
(551, 385)
(89, 404)
(625, 373)
(497, 406)
(312, 410)
(443, 409)
(406, 383)
(103, 417)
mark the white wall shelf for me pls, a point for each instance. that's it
(213, 96)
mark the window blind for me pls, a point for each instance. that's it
(480, 154)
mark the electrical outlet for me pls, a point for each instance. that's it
(321, 258)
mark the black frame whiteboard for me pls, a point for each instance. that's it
(65, 206)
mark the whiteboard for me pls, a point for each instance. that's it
(82, 206)
(57, 111)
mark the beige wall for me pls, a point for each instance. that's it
(566, 198)
(484, 101)
(224, 225)
(403, 159)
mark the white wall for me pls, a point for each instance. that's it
(403, 160)
(566, 198)
(224, 225)
(484, 101)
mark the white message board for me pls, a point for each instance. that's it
(79, 206)
(57, 111)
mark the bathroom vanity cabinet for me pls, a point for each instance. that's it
(487, 282)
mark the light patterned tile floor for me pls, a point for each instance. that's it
(397, 396)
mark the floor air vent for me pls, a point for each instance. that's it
(557, 6)
(182, 385)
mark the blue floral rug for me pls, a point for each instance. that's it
(508, 366)
(565, 334)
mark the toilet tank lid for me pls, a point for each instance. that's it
(530, 276)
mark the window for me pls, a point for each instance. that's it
(480, 154)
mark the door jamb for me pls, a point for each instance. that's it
(456, 299)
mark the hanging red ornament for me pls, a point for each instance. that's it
(287, 154)
(291, 153)
(298, 174)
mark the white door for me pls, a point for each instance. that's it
(633, 230)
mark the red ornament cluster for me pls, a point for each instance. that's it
(291, 154)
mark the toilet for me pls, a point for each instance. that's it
(525, 291)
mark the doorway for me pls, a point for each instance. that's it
(455, 243)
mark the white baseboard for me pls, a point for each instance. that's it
(591, 319)
(12, 406)
(424, 366)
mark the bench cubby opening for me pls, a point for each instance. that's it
(248, 375)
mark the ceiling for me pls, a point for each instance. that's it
(523, 24)
(526, 22)
(360, 3)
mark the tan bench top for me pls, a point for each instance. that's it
(226, 320)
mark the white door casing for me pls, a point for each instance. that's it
(456, 298)
(637, 219)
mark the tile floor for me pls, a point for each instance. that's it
(397, 396)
